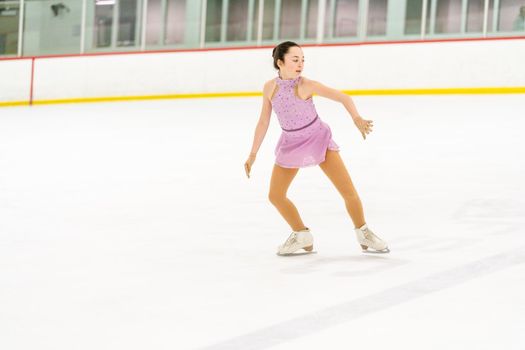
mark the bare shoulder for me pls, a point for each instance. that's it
(307, 81)
(268, 87)
(307, 86)
(269, 84)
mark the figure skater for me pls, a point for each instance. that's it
(306, 141)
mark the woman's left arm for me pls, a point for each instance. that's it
(364, 126)
(336, 95)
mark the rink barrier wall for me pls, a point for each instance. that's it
(461, 66)
(15, 82)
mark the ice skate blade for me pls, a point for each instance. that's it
(384, 251)
(295, 254)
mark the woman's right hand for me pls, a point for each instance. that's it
(248, 164)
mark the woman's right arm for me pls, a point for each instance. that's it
(260, 130)
(264, 119)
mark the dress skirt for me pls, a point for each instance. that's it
(306, 147)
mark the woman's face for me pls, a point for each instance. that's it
(293, 62)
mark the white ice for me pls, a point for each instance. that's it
(132, 225)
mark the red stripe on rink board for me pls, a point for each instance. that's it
(264, 47)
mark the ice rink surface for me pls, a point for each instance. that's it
(132, 225)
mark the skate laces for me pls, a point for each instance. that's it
(292, 239)
(369, 235)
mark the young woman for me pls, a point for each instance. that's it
(306, 141)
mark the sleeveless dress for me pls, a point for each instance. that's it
(305, 137)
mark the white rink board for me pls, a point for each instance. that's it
(15, 80)
(462, 64)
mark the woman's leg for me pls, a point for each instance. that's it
(335, 169)
(281, 179)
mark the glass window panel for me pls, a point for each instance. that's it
(448, 16)
(290, 26)
(9, 19)
(427, 20)
(255, 21)
(213, 20)
(153, 22)
(475, 24)
(328, 22)
(268, 19)
(511, 16)
(413, 16)
(127, 23)
(176, 21)
(52, 27)
(475, 15)
(475, 11)
(346, 18)
(237, 20)
(103, 23)
(376, 23)
(311, 19)
(490, 16)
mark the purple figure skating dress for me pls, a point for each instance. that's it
(305, 137)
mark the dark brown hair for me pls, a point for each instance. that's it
(280, 50)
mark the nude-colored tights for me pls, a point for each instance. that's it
(335, 169)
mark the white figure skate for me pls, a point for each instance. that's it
(367, 239)
(302, 239)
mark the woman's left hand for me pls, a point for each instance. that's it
(364, 126)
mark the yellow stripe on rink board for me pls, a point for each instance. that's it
(442, 91)
(14, 103)
(149, 97)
